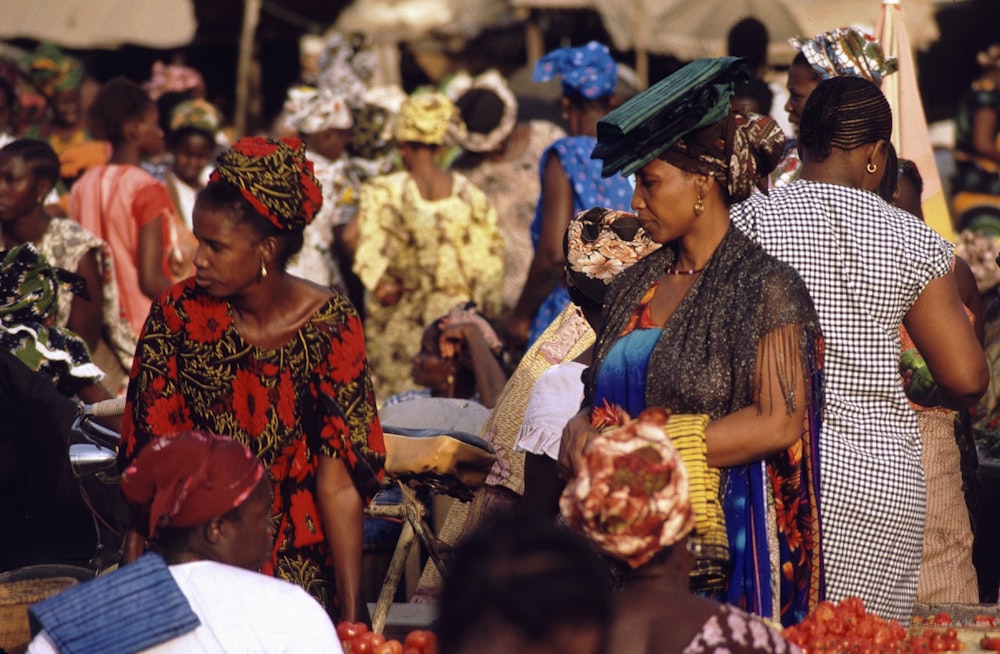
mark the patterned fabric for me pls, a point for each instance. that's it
(703, 362)
(53, 70)
(650, 123)
(631, 497)
(196, 113)
(600, 243)
(28, 299)
(64, 244)
(317, 260)
(864, 263)
(588, 70)
(790, 166)
(346, 65)
(372, 146)
(589, 190)
(426, 118)
(193, 370)
(309, 110)
(172, 78)
(114, 202)
(511, 185)
(731, 631)
(495, 83)
(189, 478)
(846, 52)
(441, 252)
(130, 609)
(264, 170)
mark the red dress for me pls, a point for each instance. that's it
(193, 370)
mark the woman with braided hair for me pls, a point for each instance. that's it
(869, 267)
(276, 362)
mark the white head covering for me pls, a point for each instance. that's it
(309, 110)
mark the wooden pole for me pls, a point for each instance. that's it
(251, 17)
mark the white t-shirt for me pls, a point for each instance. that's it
(241, 611)
(554, 400)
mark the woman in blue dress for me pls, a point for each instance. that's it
(571, 183)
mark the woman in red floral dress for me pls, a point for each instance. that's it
(272, 360)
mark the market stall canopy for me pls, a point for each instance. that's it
(406, 20)
(689, 29)
(88, 24)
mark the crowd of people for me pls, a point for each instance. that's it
(695, 330)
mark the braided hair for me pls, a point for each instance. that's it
(843, 113)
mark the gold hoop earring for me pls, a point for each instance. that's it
(871, 168)
(263, 270)
(699, 206)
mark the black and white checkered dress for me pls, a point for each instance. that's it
(864, 263)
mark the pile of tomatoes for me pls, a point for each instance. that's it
(846, 628)
(357, 638)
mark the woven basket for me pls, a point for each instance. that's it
(15, 598)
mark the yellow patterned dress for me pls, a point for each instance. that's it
(441, 252)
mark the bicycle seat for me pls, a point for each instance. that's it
(432, 452)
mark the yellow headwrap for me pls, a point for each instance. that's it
(425, 118)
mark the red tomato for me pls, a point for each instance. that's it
(347, 630)
(359, 646)
(991, 643)
(411, 650)
(417, 638)
(389, 647)
(942, 618)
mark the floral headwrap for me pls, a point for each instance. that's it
(630, 497)
(600, 243)
(275, 177)
(172, 78)
(53, 70)
(347, 66)
(493, 82)
(29, 289)
(196, 113)
(737, 151)
(425, 118)
(468, 313)
(190, 478)
(309, 110)
(846, 52)
(588, 70)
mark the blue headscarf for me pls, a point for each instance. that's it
(588, 70)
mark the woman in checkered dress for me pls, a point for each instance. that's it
(869, 267)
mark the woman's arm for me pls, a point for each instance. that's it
(942, 334)
(340, 509)
(150, 257)
(774, 421)
(546, 270)
(477, 356)
(86, 317)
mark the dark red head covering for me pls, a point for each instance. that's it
(189, 478)
(275, 177)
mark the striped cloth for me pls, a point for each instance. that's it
(864, 263)
(129, 610)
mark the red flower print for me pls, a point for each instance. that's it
(349, 358)
(254, 146)
(250, 402)
(172, 319)
(168, 414)
(286, 400)
(261, 208)
(305, 519)
(300, 466)
(268, 369)
(158, 386)
(207, 321)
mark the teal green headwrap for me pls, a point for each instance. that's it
(645, 126)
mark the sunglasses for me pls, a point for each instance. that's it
(624, 228)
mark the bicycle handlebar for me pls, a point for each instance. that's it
(106, 408)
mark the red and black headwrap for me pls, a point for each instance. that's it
(190, 478)
(275, 177)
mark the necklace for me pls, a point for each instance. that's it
(672, 270)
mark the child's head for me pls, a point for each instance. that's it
(909, 188)
(191, 139)
(752, 97)
(122, 112)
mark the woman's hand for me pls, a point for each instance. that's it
(575, 437)
(454, 339)
(388, 291)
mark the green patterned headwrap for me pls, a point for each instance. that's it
(53, 70)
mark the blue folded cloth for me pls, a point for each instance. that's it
(131, 609)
